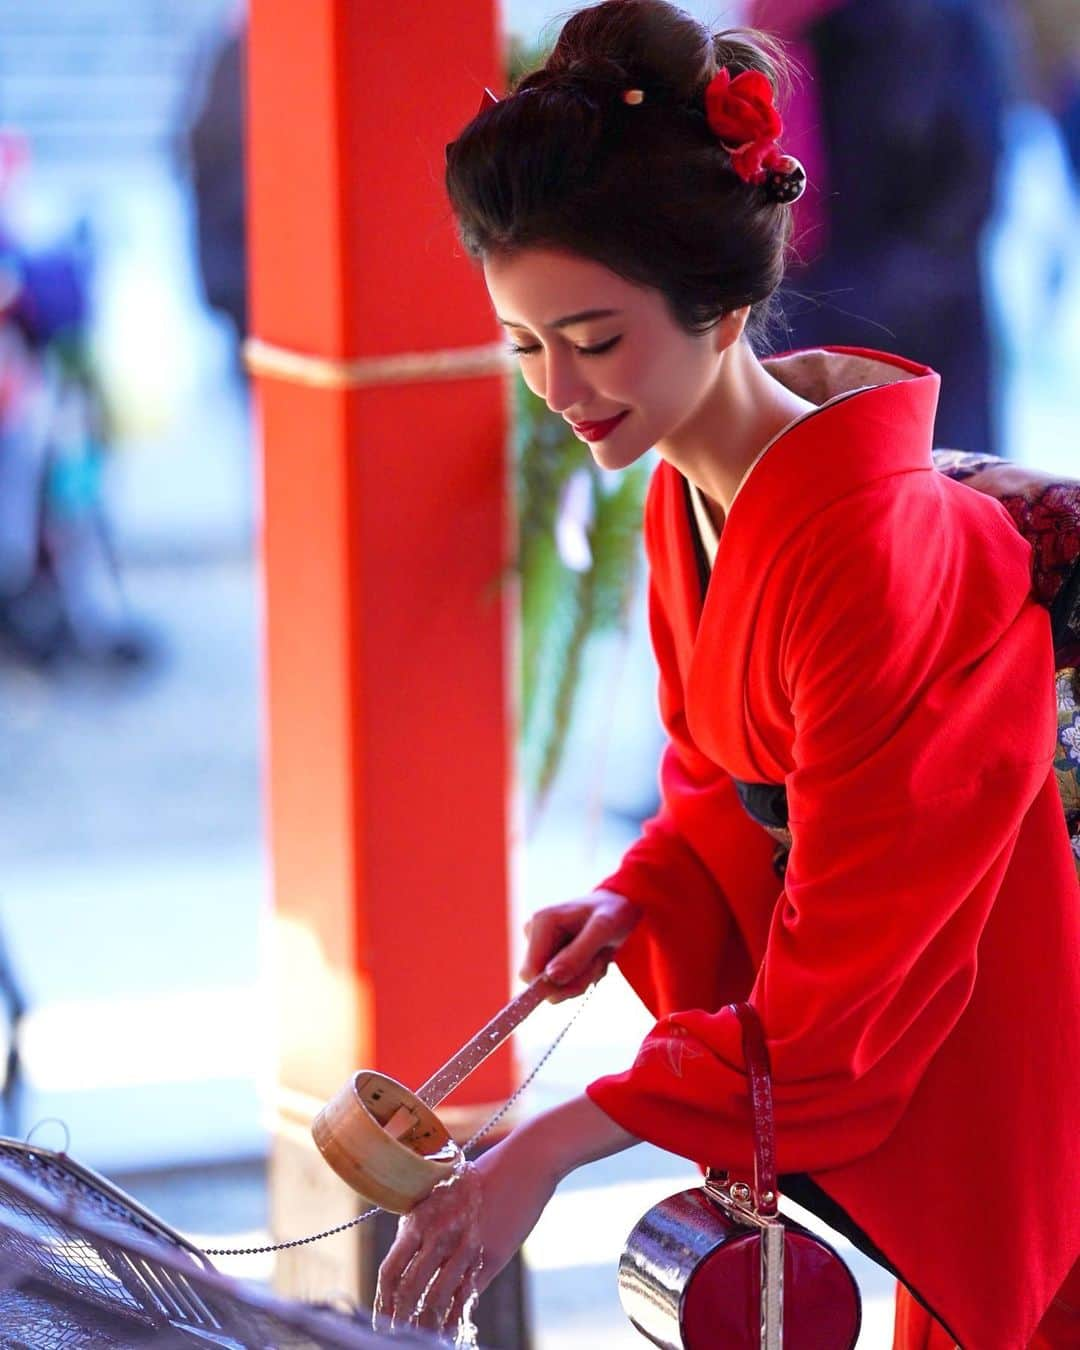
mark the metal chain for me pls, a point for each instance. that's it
(294, 1242)
(469, 1144)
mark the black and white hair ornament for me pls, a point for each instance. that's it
(785, 180)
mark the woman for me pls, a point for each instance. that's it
(849, 652)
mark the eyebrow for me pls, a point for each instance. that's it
(568, 319)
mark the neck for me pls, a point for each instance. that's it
(743, 410)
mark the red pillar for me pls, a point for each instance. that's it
(386, 543)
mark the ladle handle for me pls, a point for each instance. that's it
(485, 1042)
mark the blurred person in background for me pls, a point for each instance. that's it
(212, 143)
(898, 119)
(60, 585)
(1046, 129)
(1055, 42)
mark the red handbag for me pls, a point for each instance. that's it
(718, 1267)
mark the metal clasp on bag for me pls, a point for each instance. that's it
(736, 1199)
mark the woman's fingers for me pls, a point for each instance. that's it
(472, 1283)
(548, 931)
(408, 1268)
(596, 939)
(596, 971)
(453, 1280)
(601, 935)
(404, 1247)
(418, 1274)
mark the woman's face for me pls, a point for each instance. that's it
(594, 346)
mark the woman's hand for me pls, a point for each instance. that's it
(573, 943)
(461, 1236)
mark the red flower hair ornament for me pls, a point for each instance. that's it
(745, 120)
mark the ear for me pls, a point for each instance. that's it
(730, 328)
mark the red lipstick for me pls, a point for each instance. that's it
(596, 431)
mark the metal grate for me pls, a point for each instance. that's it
(29, 1318)
(65, 1179)
(84, 1267)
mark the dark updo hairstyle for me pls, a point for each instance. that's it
(647, 189)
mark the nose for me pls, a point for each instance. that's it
(563, 384)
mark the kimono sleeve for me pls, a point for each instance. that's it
(686, 950)
(920, 684)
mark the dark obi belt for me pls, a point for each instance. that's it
(766, 803)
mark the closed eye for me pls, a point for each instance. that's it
(584, 351)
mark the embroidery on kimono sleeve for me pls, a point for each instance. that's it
(1067, 759)
(673, 1048)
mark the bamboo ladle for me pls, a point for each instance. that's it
(386, 1141)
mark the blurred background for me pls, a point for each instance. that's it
(944, 141)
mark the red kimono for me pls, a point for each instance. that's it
(868, 639)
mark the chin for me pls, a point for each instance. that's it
(613, 456)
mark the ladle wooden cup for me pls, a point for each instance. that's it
(382, 1140)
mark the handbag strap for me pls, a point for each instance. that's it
(756, 1054)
